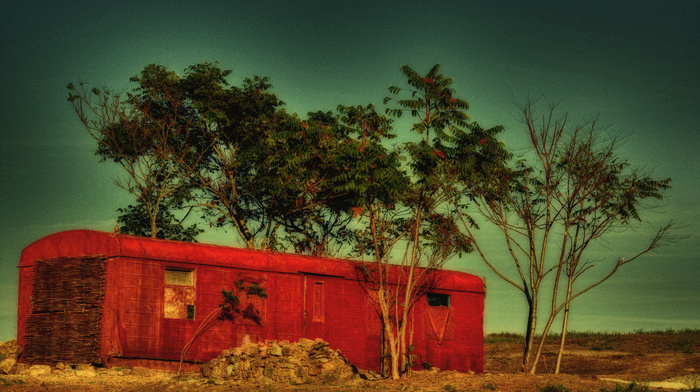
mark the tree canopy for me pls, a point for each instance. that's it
(337, 183)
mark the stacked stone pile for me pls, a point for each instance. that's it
(282, 362)
(9, 352)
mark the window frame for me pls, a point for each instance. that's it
(438, 299)
(187, 310)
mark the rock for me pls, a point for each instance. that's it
(142, 371)
(85, 373)
(39, 370)
(329, 367)
(276, 351)
(207, 369)
(9, 352)
(252, 350)
(216, 373)
(7, 364)
(269, 372)
(21, 368)
(305, 342)
(10, 347)
(283, 362)
(301, 372)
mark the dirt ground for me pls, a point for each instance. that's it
(592, 362)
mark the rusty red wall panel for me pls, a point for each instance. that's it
(284, 320)
(465, 351)
(111, 344)
(141, 307)
(348, 322)
(174, 335)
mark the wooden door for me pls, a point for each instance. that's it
(317, 310)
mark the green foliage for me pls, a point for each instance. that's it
(686, 343)
(490, 386)
(403, 196)
(631, 387)
(504, 337)
(231, 308)
(449, 388)
(452, 149)
(554, 388)
(11, 381)
(134, 220)
(281, 181)
(153, 132)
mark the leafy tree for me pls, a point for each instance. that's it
(406, 208)
(150, 136)
(232, 151)
(235, 178)
(133, 220)
(315, 202)
(572, 192)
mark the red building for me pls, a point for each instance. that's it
(88, 296)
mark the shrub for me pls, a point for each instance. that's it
(554, 388)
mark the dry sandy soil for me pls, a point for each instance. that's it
(653, 360)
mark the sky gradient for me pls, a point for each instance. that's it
(634, 64)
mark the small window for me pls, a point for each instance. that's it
(179, 277)
(438, 299)
(190, 312)
(179, 294)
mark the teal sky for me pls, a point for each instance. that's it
(633, 63)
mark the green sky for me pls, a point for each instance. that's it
(635, 64)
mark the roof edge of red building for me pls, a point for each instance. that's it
(80, 243)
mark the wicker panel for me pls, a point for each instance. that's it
(64, 324)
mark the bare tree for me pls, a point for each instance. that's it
(550, 210)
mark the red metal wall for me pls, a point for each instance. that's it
(307, 297)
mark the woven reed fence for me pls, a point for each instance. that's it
(64, 324)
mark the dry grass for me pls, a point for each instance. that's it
(590, 357)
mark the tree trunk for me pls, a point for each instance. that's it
(391, 339)
(393, 351)
(402, 347)
(395, 373)
(540, 346)
(530, 332)
(564, 327)
(154, 227)
(562, 342)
